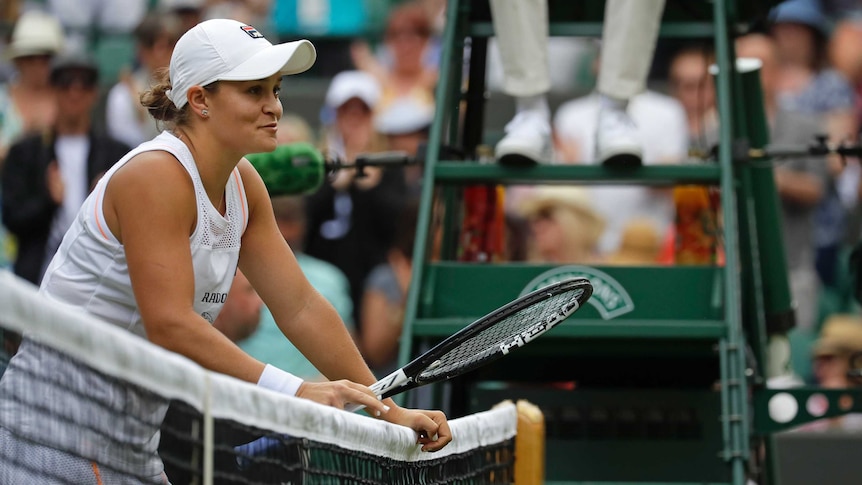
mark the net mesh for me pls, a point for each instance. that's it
(87, 402)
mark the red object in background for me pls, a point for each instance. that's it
(695, 237)
(483, 227)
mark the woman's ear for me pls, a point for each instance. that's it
(198, 100)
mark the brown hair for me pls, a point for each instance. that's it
(409, 15)
(161, 107)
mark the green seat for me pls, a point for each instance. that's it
(113, 53)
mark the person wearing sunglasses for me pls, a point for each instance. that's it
(48, 175)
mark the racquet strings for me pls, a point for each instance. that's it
(485, 344)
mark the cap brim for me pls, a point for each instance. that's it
(285, 59)
(335, 101)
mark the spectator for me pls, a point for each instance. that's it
(406, 124)
(385, 298)
(27, 103)
(351, 220)
(640, 244)
(662, 134)
(265, 344)
(564, 226)
(691, 85)
(127, 119)
(806, 84)
(846, 58)
(406, 75)
(48, 175)
(840, 338)
(800, 182)
(629, 35)
(348, 115)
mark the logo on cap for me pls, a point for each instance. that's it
(251, 31)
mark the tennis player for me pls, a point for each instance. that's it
(154, 250)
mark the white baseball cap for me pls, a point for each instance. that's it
(353, 84)
(227, 50)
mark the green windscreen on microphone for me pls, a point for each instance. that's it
(290, 169)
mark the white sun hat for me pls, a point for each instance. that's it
(35, 33)
(227, 50)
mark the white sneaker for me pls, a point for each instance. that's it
(527, 141)
(617, 143)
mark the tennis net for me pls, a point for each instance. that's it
(87, 402)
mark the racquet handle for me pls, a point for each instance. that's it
(390, 385)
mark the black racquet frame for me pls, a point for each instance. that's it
(412, 375)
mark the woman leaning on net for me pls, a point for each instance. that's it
(155, 247)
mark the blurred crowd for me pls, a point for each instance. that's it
(72, 72)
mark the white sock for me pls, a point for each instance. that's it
(537, 103)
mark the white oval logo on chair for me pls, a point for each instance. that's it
(609, 298)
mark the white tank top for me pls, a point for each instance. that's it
(90, 271)
(90, 268)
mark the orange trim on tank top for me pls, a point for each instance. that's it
(241, 198)
(96, 216)
(96, 472)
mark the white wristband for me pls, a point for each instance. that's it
(278, 380)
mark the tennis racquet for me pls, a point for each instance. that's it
(495, 335)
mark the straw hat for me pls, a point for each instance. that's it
(841, 335)
(640, 243)
(35, 33)
(574, 199)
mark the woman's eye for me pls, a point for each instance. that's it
(254, 90)
(277, 90)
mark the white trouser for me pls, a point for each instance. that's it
(521, 28)
(628, 43)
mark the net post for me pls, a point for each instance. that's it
(529, 444)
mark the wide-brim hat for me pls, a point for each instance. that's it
(35, 33)
(555, 197)
(841, 335)
(640, 243)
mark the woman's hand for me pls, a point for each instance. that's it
(432, 426)
(339, 393)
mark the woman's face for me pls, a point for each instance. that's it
(353, 115)
(34, 69)
(796, 43)
(407, 46)
(831, 370)
(245, 114)
(548, 237)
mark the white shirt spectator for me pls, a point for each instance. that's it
(661, 125)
